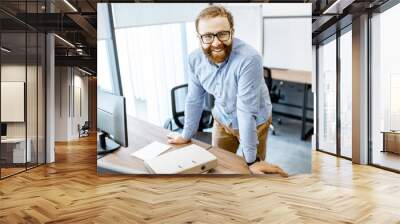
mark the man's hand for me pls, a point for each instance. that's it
(263, 167)
(176, 138)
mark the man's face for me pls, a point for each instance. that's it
(216, 51)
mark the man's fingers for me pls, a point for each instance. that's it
(254, 170)
(284, 174)
(268, 169)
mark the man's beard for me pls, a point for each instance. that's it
(218, 58)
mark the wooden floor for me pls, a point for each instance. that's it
(69, 191)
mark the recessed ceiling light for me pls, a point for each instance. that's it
(64, 40)
(337, 7)
(70, 5)
(5, 50)
(84, 71)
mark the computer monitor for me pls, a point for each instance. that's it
(111, 122)
(3, 130)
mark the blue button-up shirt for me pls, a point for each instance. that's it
(241, 96)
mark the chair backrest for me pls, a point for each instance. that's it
(274, 91)
(86, 125)
(268, 78)
(178, 98)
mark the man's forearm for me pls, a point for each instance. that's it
(248, 137)
(193, 113)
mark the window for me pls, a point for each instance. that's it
(327, 97)
(346, 94)
(385, 87)
(152, 61)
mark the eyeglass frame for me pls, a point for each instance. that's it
(215, 35)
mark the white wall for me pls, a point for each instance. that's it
(33, 125)
(68, 82)
(12, 73)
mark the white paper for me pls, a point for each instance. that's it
(151, 151)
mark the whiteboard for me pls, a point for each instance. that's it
(288, 43)
(12, 101)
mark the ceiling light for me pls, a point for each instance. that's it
(65, 41)
(337, 7)
(84, 71)
(5, 50)
(70, 5)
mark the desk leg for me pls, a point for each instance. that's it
(304, 115)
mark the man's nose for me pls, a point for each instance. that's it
(216, 42)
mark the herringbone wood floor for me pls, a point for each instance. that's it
(69, 191)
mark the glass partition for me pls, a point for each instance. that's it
(327, 96)
(346, 94)
(13, 104)
(22, 92)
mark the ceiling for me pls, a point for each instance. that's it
(77, 25)
(76, 22)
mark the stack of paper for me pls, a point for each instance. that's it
(151, 151)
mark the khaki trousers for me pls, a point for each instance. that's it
(229, 139)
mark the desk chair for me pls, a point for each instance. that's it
(178, 96)
(274, 93)
(84, 130)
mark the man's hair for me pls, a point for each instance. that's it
(212, 12)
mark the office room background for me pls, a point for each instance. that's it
(22, 107)
(150, 55)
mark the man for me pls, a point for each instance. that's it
(232, 71)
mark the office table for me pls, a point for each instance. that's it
(142, 133)
(391, 141)
(13, 150)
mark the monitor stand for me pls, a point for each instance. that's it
(106, 145)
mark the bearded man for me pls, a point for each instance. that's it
(232, 71)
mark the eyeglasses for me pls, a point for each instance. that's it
(208, 38)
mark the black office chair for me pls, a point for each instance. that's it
(274, 93)
(178, 96)
(84, 129)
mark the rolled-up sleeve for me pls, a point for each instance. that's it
(248, 100)
(194, 105)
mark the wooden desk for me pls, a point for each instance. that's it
(142, 133)
(391, 141)
(303, 77)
